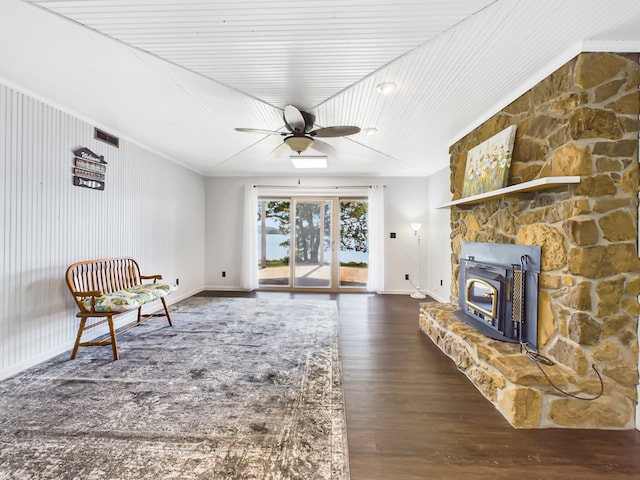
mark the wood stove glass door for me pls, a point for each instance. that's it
(483, 297)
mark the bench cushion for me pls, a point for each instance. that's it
(130, 298)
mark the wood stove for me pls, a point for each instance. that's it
(498, 290)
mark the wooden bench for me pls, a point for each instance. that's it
(106, 288)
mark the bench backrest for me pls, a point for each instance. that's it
(106, 275)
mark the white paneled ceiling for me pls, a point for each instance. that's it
(279, 51)
(179, 76)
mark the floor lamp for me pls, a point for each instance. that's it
(417, 293)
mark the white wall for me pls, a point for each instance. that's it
(405, 202)
(439, 253)
(151, 209)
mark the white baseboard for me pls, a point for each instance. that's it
(397, 292)
(175, 298)
(225, 288)
(437, 298)
(32, 362)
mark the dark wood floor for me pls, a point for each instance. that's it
(412, 415)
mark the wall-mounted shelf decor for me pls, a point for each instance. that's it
(531, 186)
(89, 169)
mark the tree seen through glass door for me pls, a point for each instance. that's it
(312, 267)
(274, 239)
(354, 243)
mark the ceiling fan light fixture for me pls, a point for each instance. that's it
(308, 161)
(385, 88)
(298, 143)
(371, 130)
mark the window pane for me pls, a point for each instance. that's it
(354, 243)
(274, 240)
(313, 244)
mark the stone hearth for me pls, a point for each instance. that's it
(515, 385)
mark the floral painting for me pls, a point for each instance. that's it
(488, 164)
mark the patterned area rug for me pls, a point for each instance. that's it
(238, 388)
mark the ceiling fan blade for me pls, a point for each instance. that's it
(323, 147)
(334, 131)
(294, 119)
(279, 150)
(309, 120)
(257, 130)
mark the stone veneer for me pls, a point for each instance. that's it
(581, 120)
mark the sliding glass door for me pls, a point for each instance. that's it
(312, 243)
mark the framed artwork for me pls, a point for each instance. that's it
(488, 164)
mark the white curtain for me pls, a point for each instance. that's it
(249, 269)
(375, 280)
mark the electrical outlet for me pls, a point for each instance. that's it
(406, 276)
(224, 274)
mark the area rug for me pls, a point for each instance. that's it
(238, 388)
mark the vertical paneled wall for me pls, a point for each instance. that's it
(151, 209)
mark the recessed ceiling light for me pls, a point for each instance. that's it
(371, 130)
(386, 88)
(307, 161)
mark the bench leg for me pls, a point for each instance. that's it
(83, 322)
(112, 332)
(166, 311)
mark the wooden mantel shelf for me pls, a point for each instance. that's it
(533, 185)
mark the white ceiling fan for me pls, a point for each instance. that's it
(300, 135)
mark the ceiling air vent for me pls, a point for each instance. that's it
(107, 137)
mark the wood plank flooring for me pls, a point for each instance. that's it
(412, 415)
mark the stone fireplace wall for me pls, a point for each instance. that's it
(581, 120)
